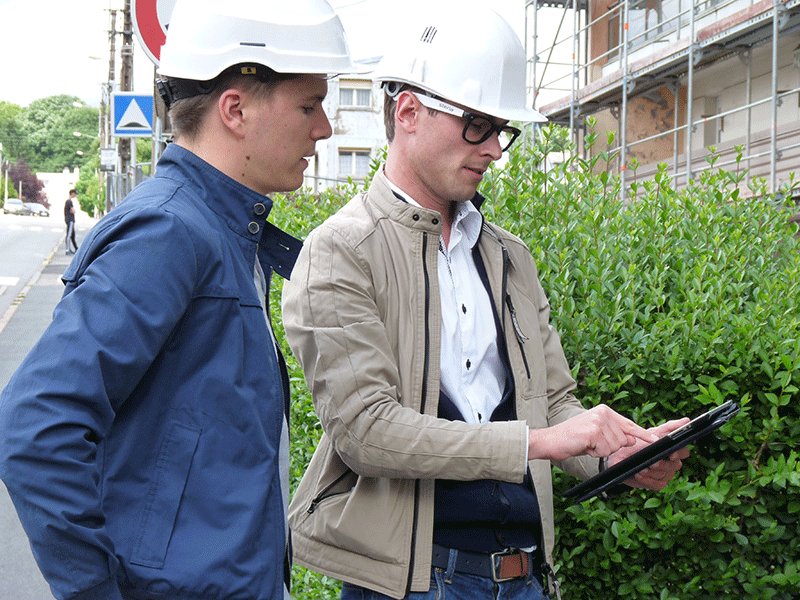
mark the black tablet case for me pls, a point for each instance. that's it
(683, 436)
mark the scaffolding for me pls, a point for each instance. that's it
(632, 55)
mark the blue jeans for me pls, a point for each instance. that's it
(460, 586)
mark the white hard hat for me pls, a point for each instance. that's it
(205, 37)
(470, 56)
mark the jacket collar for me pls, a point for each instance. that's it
(396, 208)
(236, 204)
(381, 193)
(243, 210)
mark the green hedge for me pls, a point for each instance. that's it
(667, 303)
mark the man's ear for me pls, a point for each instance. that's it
(407, 111)
(230, 106)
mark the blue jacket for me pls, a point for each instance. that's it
(139, 439)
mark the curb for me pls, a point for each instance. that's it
(27, 288)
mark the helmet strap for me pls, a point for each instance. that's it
(173, 89)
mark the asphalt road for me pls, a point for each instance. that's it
(32, 259)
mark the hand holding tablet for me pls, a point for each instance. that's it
(649, 455)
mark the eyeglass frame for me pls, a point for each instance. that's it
(440, 105)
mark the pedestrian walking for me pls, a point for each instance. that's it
(69, 219)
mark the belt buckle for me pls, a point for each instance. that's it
(497, 558)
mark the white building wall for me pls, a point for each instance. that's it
(356, 128)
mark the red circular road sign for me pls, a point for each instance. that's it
(150, 19)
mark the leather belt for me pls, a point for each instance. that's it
(497, 566)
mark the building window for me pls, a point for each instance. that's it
(354, 163)
(355, 93)
(648, 20)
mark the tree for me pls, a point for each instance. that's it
(144, 152)
(91, 195)
(11, 135)
(28, 185)
(49, 125)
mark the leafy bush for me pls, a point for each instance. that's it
(298, 214)
(667, 304)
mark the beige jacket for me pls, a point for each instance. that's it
(362, 316)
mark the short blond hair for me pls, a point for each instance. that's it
(187, 114)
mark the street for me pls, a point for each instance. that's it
(25, 242)
(32, 259)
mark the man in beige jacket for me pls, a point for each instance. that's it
(424, 335)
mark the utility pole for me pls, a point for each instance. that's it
(126, 78)
(4, 170)
(105, 104)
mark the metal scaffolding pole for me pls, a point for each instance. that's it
(623, 118)
(676, 91)
(534, 61)
(690, 94)
(748, 58)
(535, 55)
(574, 98)
(773, 187)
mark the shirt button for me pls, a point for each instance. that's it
(415, 217)
(259, 209)
(463, 309)
(468, 364)
(253, 228)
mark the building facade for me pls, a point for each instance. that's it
(673, 79)
(354, 105)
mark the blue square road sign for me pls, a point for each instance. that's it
(133, 114)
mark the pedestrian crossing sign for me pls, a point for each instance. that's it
(133, 114)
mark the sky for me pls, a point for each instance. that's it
(50, 47)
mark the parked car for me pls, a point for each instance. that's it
(16, 206)
(37, 210)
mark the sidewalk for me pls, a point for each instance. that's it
(20, 328)
(23, 324)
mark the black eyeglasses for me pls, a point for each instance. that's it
(477, 129)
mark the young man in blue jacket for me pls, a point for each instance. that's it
(144, 438)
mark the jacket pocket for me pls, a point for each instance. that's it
(343, 484)
(164, 497)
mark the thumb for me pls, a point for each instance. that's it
(669, 427)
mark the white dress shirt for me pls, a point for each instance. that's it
(472, 373)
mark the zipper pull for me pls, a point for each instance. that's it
(551, 577)
(521, 337)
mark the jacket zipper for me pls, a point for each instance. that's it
(323, 494)
(521, 337)
(547, 570)
(425, 368)
(427, 279)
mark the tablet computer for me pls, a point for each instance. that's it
(683, 436)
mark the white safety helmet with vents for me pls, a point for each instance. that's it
(205, 37)
(469, 55)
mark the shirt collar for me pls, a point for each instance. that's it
(468, 219)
